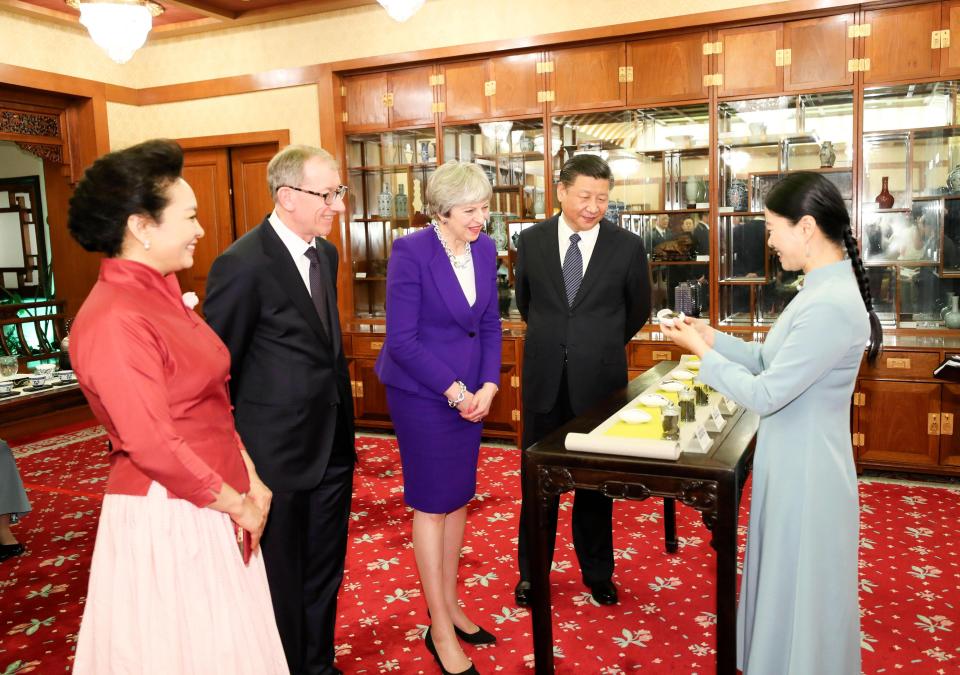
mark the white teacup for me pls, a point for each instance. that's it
(6, 387)
(65, 375)
(46, 369)
(38, 380)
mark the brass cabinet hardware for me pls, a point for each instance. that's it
(388, 99)
(376, 345)
(490, 88)
(662, 356)
(344, 117)
(515, 415)
(714, 80)
(712, 48)
(515, 381)
(544, 67)
(858, 30)
(544, 96)
(437, 80)
(858, 65)
(898, 364)
(933, 424)
(625, 74)
(946, 424)
(783, 57)
(438, 107)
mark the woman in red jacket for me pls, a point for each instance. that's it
(169, 590)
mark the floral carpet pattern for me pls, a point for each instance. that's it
(910, 573)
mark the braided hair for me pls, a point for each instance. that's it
(811, 194)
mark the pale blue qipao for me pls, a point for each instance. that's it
(798, 612)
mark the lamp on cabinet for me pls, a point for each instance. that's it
(401, 10)
(119, 27)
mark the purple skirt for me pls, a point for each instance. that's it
(438, 451)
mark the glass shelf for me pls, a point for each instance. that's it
(760, 142)
(387, 173)
(912, 141)
(660, 163)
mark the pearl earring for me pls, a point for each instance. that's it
(146, 245)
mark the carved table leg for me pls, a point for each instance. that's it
(670, 524)
(725, 543)
(540, 484)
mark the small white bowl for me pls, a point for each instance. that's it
(666, 317)
(46, 368)
(653, 400)
(6, 387)
(681, 374)
(635, 416)
(671, 386)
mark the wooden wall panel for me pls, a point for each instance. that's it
(463, 90)
(819, 52)
(667, 69)
(517, 85)
(251, 194)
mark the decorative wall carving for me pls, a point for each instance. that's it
(53, 153)
(29, 123)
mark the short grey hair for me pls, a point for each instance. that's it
(286, 167)
(456, 183)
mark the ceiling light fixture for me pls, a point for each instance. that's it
(401, 10)
(119, 27)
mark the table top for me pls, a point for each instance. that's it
(728, 452)
(23, 392)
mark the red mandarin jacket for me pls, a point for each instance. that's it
(155, 376)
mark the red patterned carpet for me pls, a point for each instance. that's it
(910, 560)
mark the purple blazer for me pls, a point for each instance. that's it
(433, 336)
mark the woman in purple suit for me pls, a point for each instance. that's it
(441, 365)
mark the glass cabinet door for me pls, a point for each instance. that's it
(910, 211)
(387, 175)
(760, 142)
(660, 163)
(511, 154)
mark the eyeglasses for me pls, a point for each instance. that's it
(328, 197)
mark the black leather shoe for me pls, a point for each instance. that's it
(522, 593)
(428, 640)
(604, 592)
(480, 637)
(10, 551)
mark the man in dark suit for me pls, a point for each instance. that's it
(701, 236)
(583, 287)
(272, 299)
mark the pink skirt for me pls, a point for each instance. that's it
(169, 593)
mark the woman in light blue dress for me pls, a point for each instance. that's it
(798, 612)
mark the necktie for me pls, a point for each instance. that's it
(572, 268)
(318, 285)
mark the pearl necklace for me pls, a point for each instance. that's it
(467, 257)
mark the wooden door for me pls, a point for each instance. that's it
(364, 103)
(950, 56)
(586, 78)
(208, 172)
(950, 436)
(820, 50)
(517, 85)
(748, 60)
(371, 397)
(505, 404)
(251, 194)
(899, 43)
(894, 423)
(667, 69)
(412, 97)
(463, 93)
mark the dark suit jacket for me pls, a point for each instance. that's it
(611, 306)
(288, 374)
(701, 239)
(433, 336)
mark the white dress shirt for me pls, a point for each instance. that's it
(296, 246)
(588, 239)
(467, 281)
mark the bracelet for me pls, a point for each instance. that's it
(462, 394)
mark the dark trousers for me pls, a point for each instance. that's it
(592, 510)
(304, 549)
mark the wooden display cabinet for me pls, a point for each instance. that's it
(387, 174)
(660, 160)
(510, 152)
(760, 142)
(391, 100)
(792, 56)
(498, 87)
(911, 142)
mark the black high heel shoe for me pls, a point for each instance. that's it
(11, 551)
(480, 637)
(432, 648)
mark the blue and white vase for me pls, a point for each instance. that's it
(737, 194)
